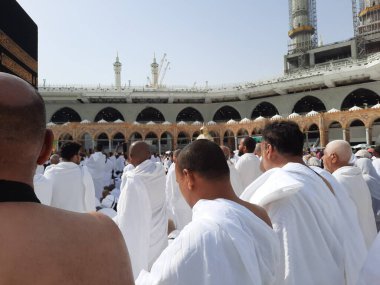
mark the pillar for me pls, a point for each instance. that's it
(368, 136)
(109, 145)
(323, 137)
(346, 135)
(236, 142)
(159, 146)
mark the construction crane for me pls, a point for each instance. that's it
(163, 74)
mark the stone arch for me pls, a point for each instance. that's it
(335, 131)
(307, 104)
(150, 114)
(108, 114)
(64, 137)
(166, 141)
(229, 139)
(264, 109)
(65, 115)
(103, 139)
(151, 138)
(360, 97)
(215, 136)
(117, 140)
(312, 136)
(189, 114)
(183, 139)
(242, 133)
(135, 136)
(86, 141)
(226, 113)
(376, 131)
(357, 132)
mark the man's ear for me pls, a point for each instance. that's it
(189, 178)
(46, 147)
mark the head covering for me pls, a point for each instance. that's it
(370, 176)
(363, 154)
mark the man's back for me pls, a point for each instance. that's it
(73, 189)
(224, 244)
(44, 245)
(350, 177)
(248, 167)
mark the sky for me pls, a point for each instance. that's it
(219, 41)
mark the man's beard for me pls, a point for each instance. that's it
(240, 153)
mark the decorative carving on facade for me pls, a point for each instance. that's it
(17, 51)
(13, 66)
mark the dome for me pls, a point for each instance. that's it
(197, 123)
(312, 113)
(276, 117)
(66, 124)
(231, 122)
(136, 123)
(245, 121)
(355, 108)
(181, 123)
(377, 106)
(118, 121)
(261, 118)
(151, 123)
(333, 110)
(294, 115)
(211, 123)
(102, 121)
(85, 122)
(166, 123)
(50, 124)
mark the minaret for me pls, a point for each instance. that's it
(154, 67)
(117, 69)
(302, 25)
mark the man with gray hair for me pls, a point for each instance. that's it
(336, 160)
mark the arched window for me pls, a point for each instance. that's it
(65, 115)
(189, 114)
(150, 114)
(362, 98)
(264, 109)
(109, 114)
(226, 113)
(307, 104)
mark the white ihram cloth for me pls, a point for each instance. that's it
(178, 209)
(354, 244)
(127, 168)
(224, 244)
(43, 189)
(373, 181)
(248, 167)
(107, 180)
(96, 166)
(370, 274)
(141, 214)
(304, 216)
(235, 179)
(376, 165)
(351, 178)
(73, 189)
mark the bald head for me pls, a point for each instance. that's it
(139, 152)
(22, 129)
(226, 150)
(22, 112)
(336, 155)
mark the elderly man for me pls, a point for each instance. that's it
(141, 209)
(228, 241)
(248, 165)
(302, 207)
(336, 160)
(41, 244)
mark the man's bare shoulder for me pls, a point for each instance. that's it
(260, 212)
(69, 248)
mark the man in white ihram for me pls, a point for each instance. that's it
(96, 166)
(248, 165)
(72, 185)
(303, 210)
(234, 175)
(178, 209)
(337, 155)
(141, 209)
(228, 241)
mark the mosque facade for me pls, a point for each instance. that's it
(332, 91)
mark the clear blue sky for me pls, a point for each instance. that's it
(216, 40)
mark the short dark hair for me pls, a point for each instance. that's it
(250, 144)
(204, 157)
(377, 149)
(285, 136)
(99, 147)
(69, 149)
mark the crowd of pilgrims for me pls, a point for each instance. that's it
(316, 223)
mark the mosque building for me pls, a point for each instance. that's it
(332, 91)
